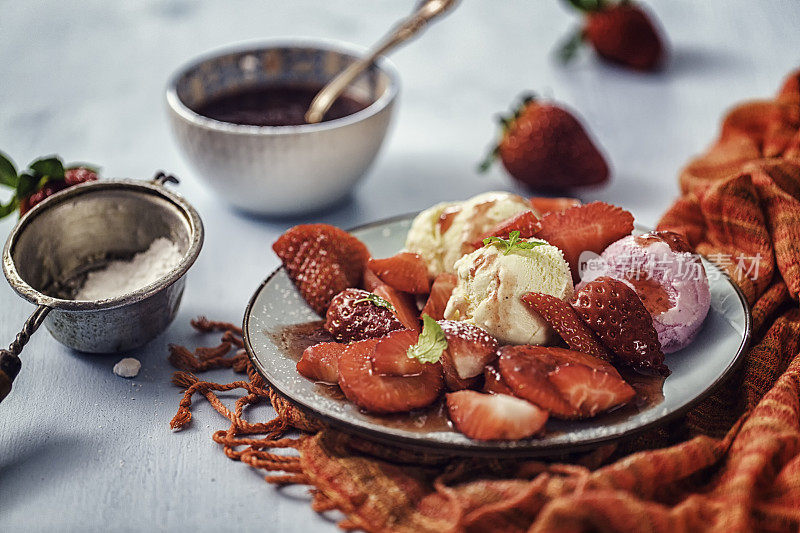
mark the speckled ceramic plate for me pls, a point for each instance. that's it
(696, 370)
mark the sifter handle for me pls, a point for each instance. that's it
(10, 363)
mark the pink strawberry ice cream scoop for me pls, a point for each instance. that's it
(670, 280)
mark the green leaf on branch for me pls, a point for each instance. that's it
(8, 173)
(50, 167)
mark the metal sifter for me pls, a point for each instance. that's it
(57, 243)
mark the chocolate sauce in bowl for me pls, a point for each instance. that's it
(292, 340)
(280, 105)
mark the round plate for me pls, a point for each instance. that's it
(696, 370)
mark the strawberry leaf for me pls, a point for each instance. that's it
(9, 208)
(8, 173)
(26, 185)
(48, 167)
(377, 300)
(431, 343)
(570, 46)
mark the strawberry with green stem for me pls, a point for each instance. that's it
(543, 146)
(621, 32)
(43, 178)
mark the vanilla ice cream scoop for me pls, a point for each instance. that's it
(442, 234)
(491, 284)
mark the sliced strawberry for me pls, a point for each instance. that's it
(494, 416)
(526, 223)
(544, 205)
(370, 282)
(493, 382)
(320, 362)
(469, 348)
(441, 290)
(406, 272)
(567, 383)
(391, 355)
(405, 306)
(589, 390)
(322, 261)
(353, 315)
(619, 318)
(384, 394)
(563, 318)
(527, 376)
(560, 356)
(453, 382)
(591, 227)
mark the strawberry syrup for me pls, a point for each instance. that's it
(292, 340)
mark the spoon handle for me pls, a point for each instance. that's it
(10, 363)
(402, 32)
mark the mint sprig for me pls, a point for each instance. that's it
(512, 242)
(431, 343)
(377, 300)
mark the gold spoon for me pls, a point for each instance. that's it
(426, 11)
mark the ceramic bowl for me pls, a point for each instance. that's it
(280, 170)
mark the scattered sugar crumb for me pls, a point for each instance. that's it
(127, 367)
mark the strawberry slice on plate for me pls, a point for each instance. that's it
(384, 394)
(590, 227)
(566, 322)
(494, 416)
(320, 362)
(567, 383)
(525, 371)
(391, 355)
(441, 290)
(493, 382)
(544, 205)
(619, 318)
(404, 304)
(469, 350)
(355, 315)
(589, 390)
(370, 281)
(406, 272)
(322, 261)
(526, 223)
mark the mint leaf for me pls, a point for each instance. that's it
(431, 343)
(51, 167)
(8, 173)
(377, 300)
(512, 242)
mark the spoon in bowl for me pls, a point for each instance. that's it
(426, 11)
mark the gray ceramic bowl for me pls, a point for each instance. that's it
(281, 170)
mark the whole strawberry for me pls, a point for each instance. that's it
(355, 315)
(621, 32)
(43, 178)
(545, 147)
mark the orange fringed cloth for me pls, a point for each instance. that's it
(733, 463)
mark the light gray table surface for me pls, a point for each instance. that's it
(84, 450)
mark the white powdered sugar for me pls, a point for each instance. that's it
(118, 278)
